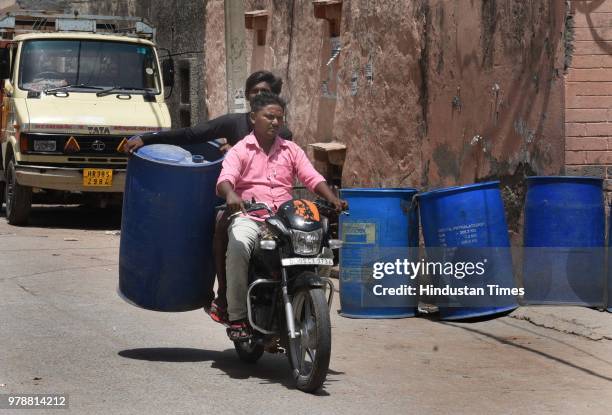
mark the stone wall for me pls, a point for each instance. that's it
(428, 93)
(588, 89)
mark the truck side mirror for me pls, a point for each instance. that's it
(168, 72)
(5, 63)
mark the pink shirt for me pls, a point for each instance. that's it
(267, 177)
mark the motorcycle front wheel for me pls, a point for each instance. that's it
(309, 353)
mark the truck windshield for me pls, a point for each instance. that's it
(78, 64)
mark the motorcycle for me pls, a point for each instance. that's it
(287, 302)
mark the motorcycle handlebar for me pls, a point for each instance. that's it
(248, 206)
(326, 208)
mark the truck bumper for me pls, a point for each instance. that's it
(68, 179)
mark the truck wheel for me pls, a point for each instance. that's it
(18, 198)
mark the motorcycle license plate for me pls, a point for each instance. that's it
(97, 177)
(288, 262)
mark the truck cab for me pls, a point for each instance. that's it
(71, 98)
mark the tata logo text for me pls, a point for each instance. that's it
(98, 130)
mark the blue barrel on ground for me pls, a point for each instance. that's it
(382, 227)
(469, 264)
(564, 240)
(165, 254)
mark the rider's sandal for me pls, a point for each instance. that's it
(239, 331)
(218, 313)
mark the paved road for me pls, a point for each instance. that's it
(64, 330)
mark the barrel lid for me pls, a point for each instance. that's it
(564, 178)
(458, 189)
(165, 153)
(368, 190)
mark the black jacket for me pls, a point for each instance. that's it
(233, 127)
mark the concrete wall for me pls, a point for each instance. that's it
(214, 59)
(426, 93)
(6, 5)
(588, 89)
(376, 120)
(55, 5)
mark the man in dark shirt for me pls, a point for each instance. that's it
(232, 127)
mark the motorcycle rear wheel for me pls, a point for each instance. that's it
(249, 351)
(309, 353)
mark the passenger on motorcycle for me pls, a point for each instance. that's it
(262, 167)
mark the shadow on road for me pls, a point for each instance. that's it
(509, 342)
(270, 369)
(173, 354)
(566, 344)
(73, 217)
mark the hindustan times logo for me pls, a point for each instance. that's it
(430, 290)
(412, 269)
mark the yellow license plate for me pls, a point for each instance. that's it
(97, 177)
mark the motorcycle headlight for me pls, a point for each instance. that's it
(306, 243)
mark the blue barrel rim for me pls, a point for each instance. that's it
(378, 316)
(206, 163)
(379, 189)
(562, 178)
(466, 313)
(458, 189)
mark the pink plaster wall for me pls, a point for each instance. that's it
(461, 91)
(381, 120)
(495, 102)
(214, 59)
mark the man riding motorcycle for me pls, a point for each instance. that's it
(262, 167)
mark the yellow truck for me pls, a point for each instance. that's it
(74, 89)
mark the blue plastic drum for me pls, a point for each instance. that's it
(381, 228)
(165, 256)
(564, 239)
(466, 236)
